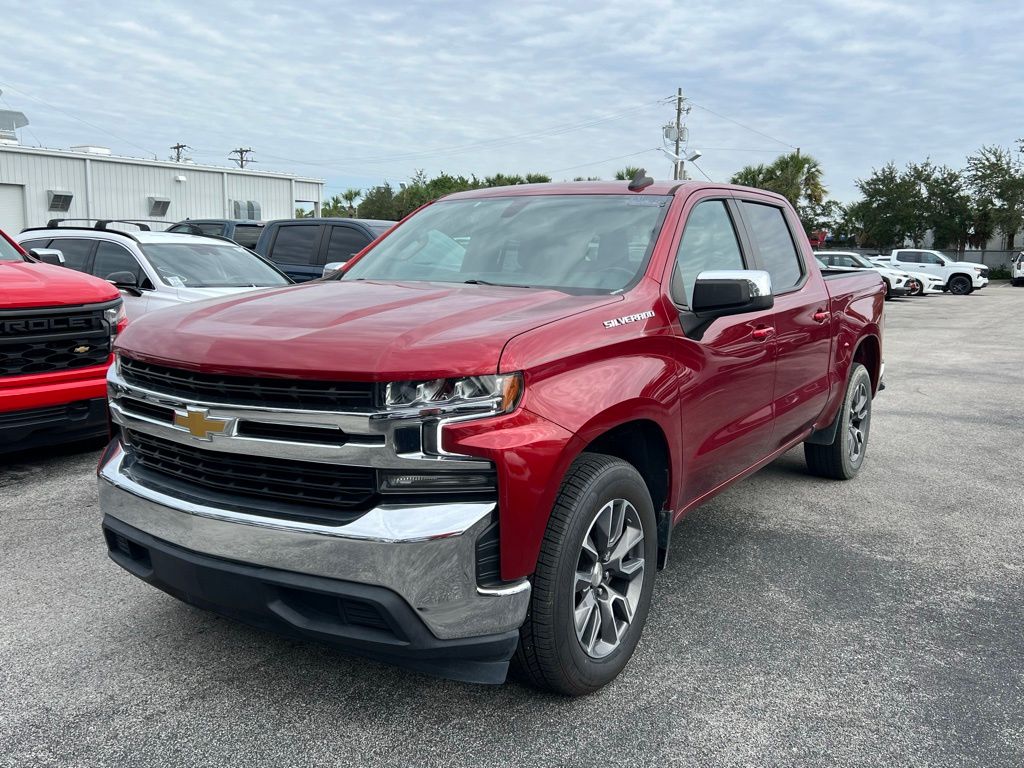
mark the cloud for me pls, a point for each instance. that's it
(357, 94)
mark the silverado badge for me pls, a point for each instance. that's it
(628, 319)
(199, 423)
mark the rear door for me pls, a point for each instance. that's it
(728, 367)
(77, 252)
(342, 243)
(295, 249)
(803, 331)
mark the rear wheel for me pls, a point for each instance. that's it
(842, 458)
(960, 285)
(594, 578)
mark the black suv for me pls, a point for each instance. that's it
(302, 247)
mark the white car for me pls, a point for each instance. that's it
(1017, 270)
(897, 282)
(958, 277)
(156, 269)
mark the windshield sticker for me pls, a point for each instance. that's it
(176, 281)
(628, 319)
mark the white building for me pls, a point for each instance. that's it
(87, 182)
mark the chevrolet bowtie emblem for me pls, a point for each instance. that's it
(199, 423)
(82, 349)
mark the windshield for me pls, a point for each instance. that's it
(861, 261)
(213, 265)
(8, 252)
(587, 243)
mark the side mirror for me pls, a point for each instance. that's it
(731, 292)
(49, 256)
(125, 281)
(333, 266)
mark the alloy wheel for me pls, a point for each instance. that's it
(960, 286)
(860, 417)
(609, 578)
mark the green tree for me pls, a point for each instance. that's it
(893, 208)
(379, 203)
(627, 173)
(996, 176)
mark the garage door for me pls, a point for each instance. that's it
(12, 208)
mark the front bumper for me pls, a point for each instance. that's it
(419, 562)
(50, 425)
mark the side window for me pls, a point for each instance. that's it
(344, 242)
(930, 258)
(294, 244)
(910, 257)
(770, 233)
(842, 260)
(247, 234)
(76, 251)
(28, 245)
(111, 258)
(708, 242)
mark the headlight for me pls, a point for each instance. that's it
(115, 318)
(472, 394)
(979, 270)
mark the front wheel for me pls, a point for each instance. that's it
(914, 288)
(960, 285)
(594, 578)
(842, 458)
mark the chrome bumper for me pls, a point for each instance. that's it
(426, 553)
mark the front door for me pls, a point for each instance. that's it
(727, 368)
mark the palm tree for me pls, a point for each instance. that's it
(350, 196)
(794, 176)
(627, 173)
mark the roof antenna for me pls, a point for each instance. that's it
(640, 181)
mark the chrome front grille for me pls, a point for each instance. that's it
(303, 464)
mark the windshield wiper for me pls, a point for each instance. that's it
(499, 285)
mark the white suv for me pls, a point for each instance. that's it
(1017, 270)
(156, 269)
(959, 277)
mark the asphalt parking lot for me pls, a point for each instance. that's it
(799, 622)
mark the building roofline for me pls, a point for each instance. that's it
(67, 153)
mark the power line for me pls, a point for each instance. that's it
(694, 164)
(605, 160)
(75, 117)
(742, 125)
(496, 143)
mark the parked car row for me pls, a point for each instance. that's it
(1017, 270)
(304, 249)
(912, 272)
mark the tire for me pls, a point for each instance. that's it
(553, 653)
(839, 460)
(960, 285)
(1017, 282)
(916, 289)
(888, 290)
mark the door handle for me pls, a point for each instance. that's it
(821, 316)
(762, 333)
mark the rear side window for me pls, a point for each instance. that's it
(770, 233)
(708, 243)
(76, 251)
(111, 258)
(344, 242)
(910, 257)
(294, 244)
(247, 234)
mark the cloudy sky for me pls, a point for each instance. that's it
(357, 93)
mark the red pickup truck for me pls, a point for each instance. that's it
(474, 442)
(56, 331)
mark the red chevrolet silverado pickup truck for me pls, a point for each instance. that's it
(474, 442)
(56, 332)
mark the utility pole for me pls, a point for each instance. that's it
(678, 165)
(242, 160)
(177, 149)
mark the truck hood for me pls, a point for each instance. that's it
(198, 294)
(28, 284)
(362, 331)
